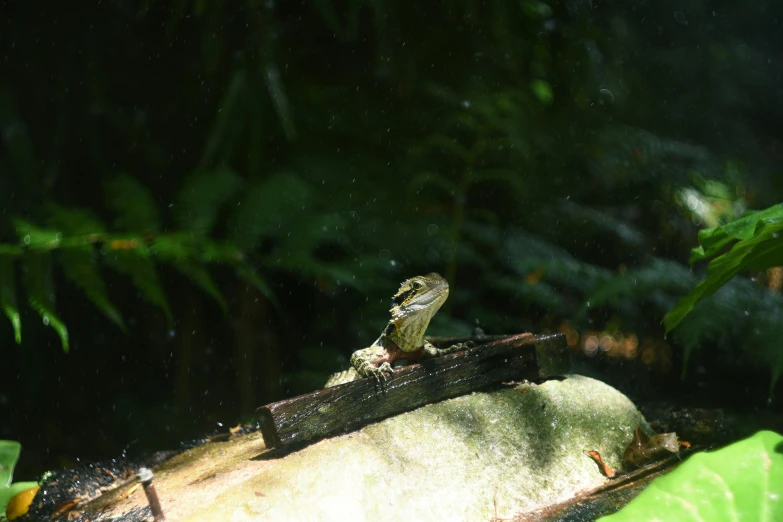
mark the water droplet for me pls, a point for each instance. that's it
(607, 92)
(680, 17)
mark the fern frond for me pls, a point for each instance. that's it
(601, 222)
(434, 179)
(133, 205)
(35, 237)
(181, 251)
(741, 317)
(660, 275)
(228, 123)
(8, 296)
(250, 275)
(74, 221)
(39, 283)
(136, 263)
(80, 265)
(202, 197)
(199, 275)
(270, 207)
(525, 253)
(769, 339)
(540, 294)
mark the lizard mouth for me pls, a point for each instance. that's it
(427, 300)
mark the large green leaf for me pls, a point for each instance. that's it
(9, 455)
(39, 283)
(712, 240)
(743, 481)
(763, 250)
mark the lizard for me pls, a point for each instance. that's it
(413, 306)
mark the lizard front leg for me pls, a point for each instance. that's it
(431, 351)
(372, 362)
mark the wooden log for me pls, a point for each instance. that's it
(352, 405)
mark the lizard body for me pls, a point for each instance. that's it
(413, 306)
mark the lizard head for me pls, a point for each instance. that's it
(414, 304)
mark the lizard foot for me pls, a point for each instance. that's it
(380, 372)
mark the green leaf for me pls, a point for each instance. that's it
(8, 296)
(9, 456)
(763, 250)
(743, 481)
(36, 237)
(39, 284)
(200, 199)
(542, 91)
(133, 205)
(137, 264)
(712, 240)
(80, 265)
(6, 494)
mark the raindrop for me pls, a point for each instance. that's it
(46, 320)
(432, 229)
(680, 17)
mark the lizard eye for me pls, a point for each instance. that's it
(417, 285)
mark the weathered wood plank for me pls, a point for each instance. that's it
(352, 405)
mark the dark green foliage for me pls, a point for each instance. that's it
(712, 240)
(79, 243)
(758, 247)
(761, 251)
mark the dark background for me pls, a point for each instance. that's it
(554, 160)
